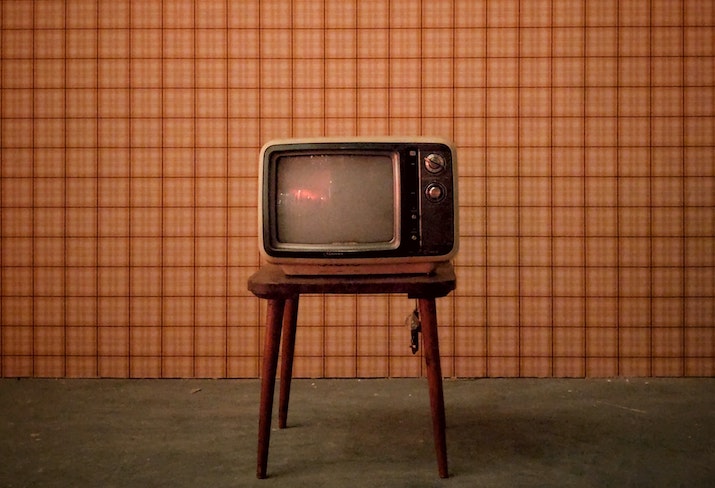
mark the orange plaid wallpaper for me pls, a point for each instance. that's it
(130, 133)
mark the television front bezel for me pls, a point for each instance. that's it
(300, 260)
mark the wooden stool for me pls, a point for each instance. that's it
(283, 292)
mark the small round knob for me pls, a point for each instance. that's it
(435, 163)
(435, 192)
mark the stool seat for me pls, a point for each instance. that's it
(270, 282)
(283, 292)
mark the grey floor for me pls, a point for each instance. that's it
(500, 432)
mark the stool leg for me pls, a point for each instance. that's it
(268, 380)
(428, 316)
(290, 319)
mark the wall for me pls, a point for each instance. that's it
(130, 133)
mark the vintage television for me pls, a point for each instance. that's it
(358, 205)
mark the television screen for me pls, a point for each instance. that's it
(343, 200)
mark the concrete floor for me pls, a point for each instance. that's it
(500, 432)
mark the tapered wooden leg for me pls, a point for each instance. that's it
(268, 380)
(290, 319)
(428, 317)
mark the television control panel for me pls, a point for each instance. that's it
(436, 204)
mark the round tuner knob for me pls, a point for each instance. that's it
(435, 192)
(435, 163)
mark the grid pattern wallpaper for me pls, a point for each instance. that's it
(130, 134)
